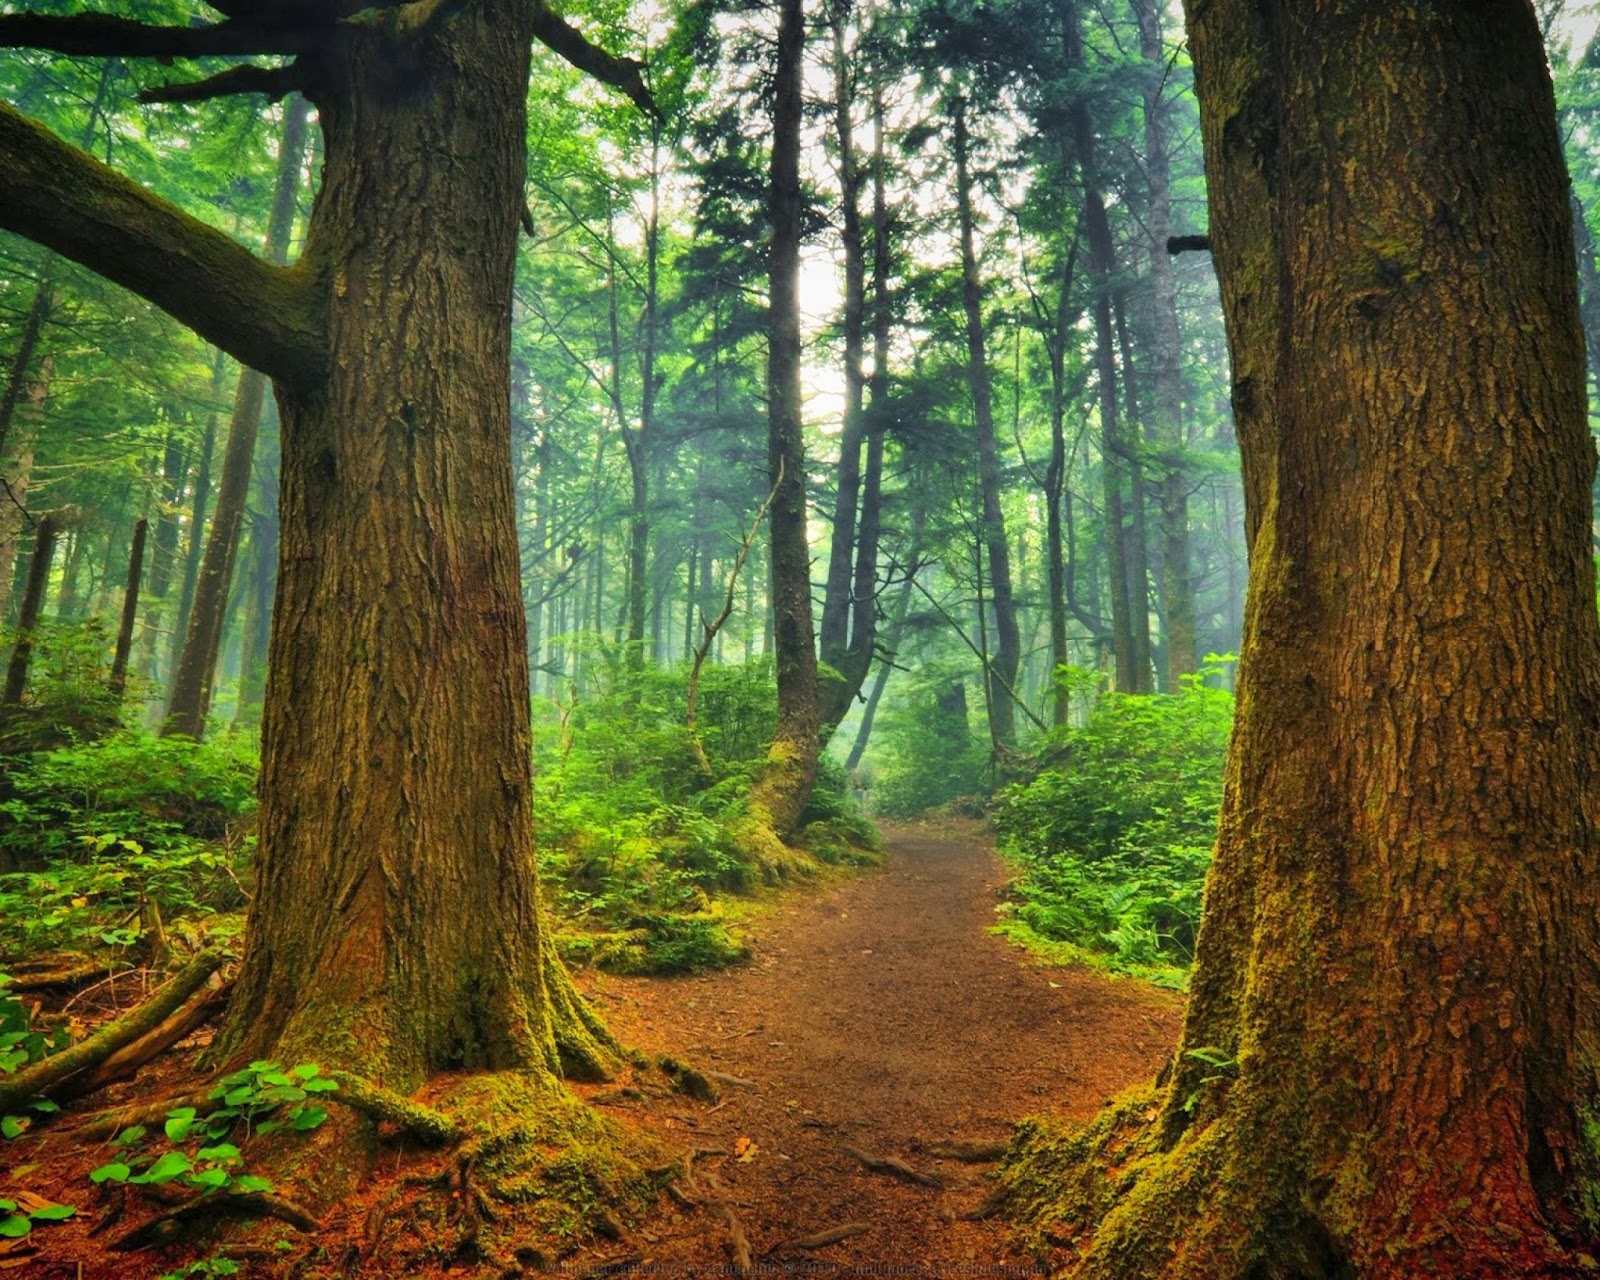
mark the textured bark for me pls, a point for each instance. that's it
(197, 510)
(1137, 541)
(791, 767)
(196, 667)
(399, 616)
(17, 375)
(1164, 416)
(1399, 963)
(44, 548)
(1007, 656)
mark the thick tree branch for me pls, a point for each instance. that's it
(105, 36)
(557, 35)
(266, 316)
(273, 82)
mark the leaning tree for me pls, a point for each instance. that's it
(395, 926)
(1390, 1064)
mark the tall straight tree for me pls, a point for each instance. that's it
(1390, 1062)
(1000, 674)
(791, 769)
(395, 926)
(195, 669)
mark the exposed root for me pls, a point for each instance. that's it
(696, 1084)
(58, 973)
(102, 1126)
(412, 1118)
(170, 1223)
(896, 1168)
(585, 1049)
(738, 1242)
(969, 1152)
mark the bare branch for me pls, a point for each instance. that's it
(103, 35)
(268, 317)
(273, 82)
(556, 34)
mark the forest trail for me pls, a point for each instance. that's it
(878, 1015)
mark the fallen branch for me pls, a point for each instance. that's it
(166, 1224)
(125, 1063)
(42, 1076)
(423, 1123)
(26, 977)
(898, 1168)
(834, 1235)
(969, 1152)
(734, 1082)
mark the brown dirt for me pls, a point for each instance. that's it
(879, 1015)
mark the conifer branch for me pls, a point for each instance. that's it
(560, 37)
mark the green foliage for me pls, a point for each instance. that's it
(261, 1099)
(1114, 832)
(21, 1044)
(118, 824)
(68, 693)
(18, 1219)
(930, 754)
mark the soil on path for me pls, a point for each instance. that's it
(879, 1015)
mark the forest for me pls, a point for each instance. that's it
(767, 636)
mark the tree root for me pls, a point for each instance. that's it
(68, 972)
(897, 1168)
(169, 1223)
(417, 1121)
(738, 1242)
(586, 1050)
(101, 1126)
(969, 1152)
(44, 1075)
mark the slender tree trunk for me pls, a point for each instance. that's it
(1389, 1067)
(791, 769)
(197, 512)
(44, 548)
(195, 670)
(1164, 419)
(396, 928)
(1588, 289)
(644, 440)
(262, 579)
(17, 375)
(1008, 638)
(1138, 539)
(164, 549)
(834, 633)
(130, 608)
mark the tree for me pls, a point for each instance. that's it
(395, 772)
(1389, 1061)
(791, 770)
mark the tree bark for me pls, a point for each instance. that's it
(833, 636)
(1399, 964)
(196, 667)
(44, 547)
(781, 794)
(1137, 542)
(1164, 417)
(130, 608)
(197, 512)
(1008, 638)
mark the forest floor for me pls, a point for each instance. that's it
(879, 1015)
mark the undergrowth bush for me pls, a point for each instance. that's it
(1114, 831)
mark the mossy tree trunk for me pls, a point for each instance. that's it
(781, 794)
(395, 927)
(1389, 1065)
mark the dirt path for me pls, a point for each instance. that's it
(880, 1015)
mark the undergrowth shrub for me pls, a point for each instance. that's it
(1114, 831)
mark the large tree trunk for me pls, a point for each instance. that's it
(1002, 670)
(196, 667)
(1391, 1057)
(1164, 417)
(395, 928)
(791, 768)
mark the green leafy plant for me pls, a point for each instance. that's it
(22, 1043)
(204, 1269)
(18, 1217)
(1114, 830)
